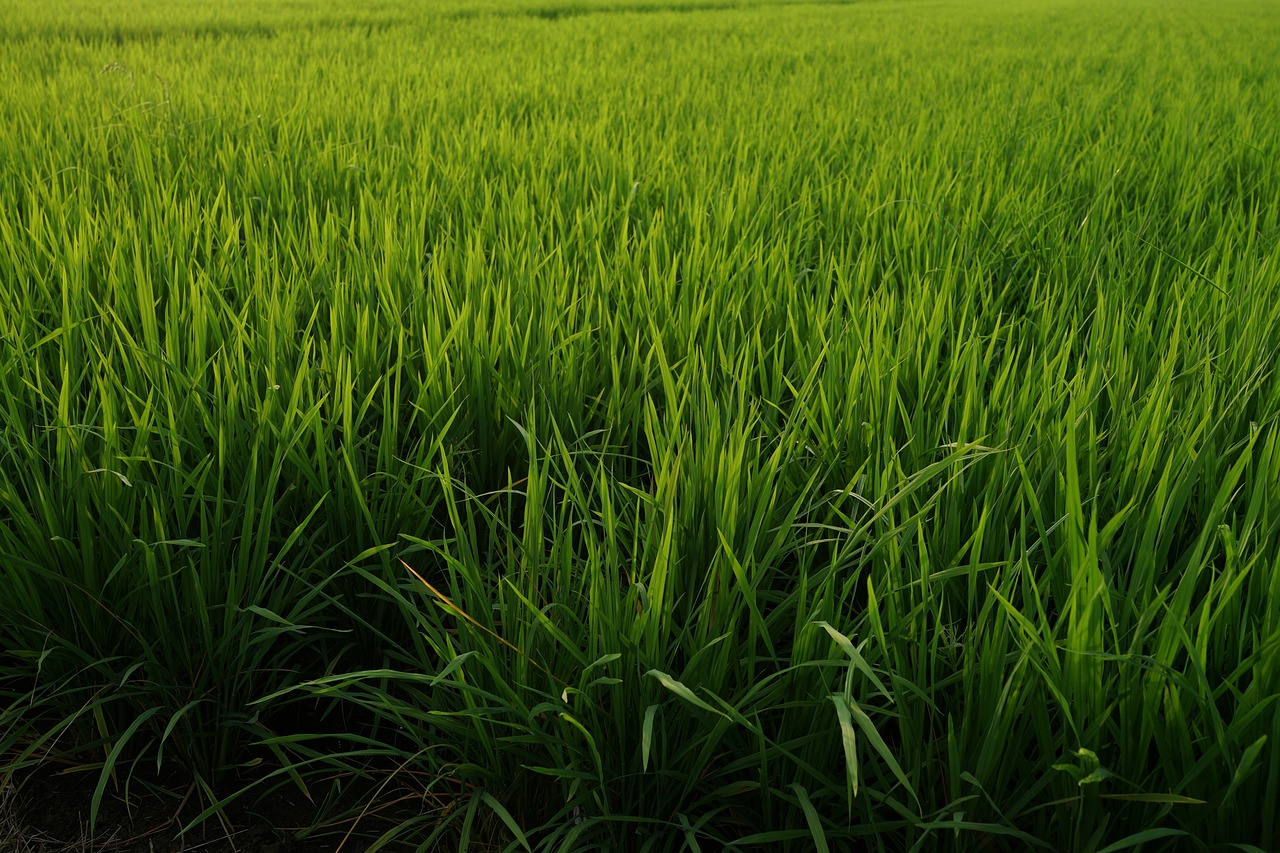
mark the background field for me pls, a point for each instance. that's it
(648, 425)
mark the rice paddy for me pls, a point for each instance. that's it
(573, 425)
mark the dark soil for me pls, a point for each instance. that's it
(49, 813)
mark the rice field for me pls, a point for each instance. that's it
(647, 425)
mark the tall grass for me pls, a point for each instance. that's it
(652, 426)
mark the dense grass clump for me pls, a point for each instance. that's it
(650, 425)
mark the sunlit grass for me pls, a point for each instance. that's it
(652, 425)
